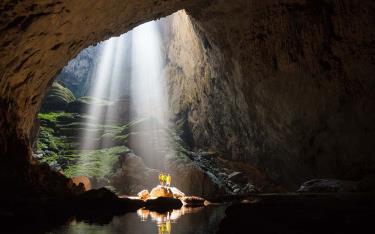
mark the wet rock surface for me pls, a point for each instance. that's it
(193, 201)
(327, 185)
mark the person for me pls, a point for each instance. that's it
(169, 178)
(161, 178)
(164, 179)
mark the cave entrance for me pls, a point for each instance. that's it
(106, 119)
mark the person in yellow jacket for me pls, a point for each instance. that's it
(161, 178)
(169, 179)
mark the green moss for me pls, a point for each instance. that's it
(53, 116)
(99, 164)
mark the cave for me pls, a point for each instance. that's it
(270, 108)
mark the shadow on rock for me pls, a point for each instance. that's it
(301, 214)
(163, 204)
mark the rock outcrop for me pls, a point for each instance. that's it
(367, 184)
(58, 98)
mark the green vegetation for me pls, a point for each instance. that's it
(99, 164)
(58, 145)
(59, 142)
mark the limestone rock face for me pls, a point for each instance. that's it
(285, 85)
(192, 179)
(78, 73)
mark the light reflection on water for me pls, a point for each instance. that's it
(187, 220)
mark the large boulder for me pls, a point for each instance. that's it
(161, 191)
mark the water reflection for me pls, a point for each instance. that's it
(202, 220)
(164, 220)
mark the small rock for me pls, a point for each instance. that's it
(327, 186)
(82, 180)
(144, 194)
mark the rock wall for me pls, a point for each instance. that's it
(77, 75)
(205, 90)
(288, 85)
(306, 71)
(284, 85)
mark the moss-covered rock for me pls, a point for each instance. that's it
(57, 98)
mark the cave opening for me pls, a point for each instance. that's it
(106, 119)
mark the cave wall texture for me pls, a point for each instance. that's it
(286, 85)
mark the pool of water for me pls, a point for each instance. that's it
(186, 220)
